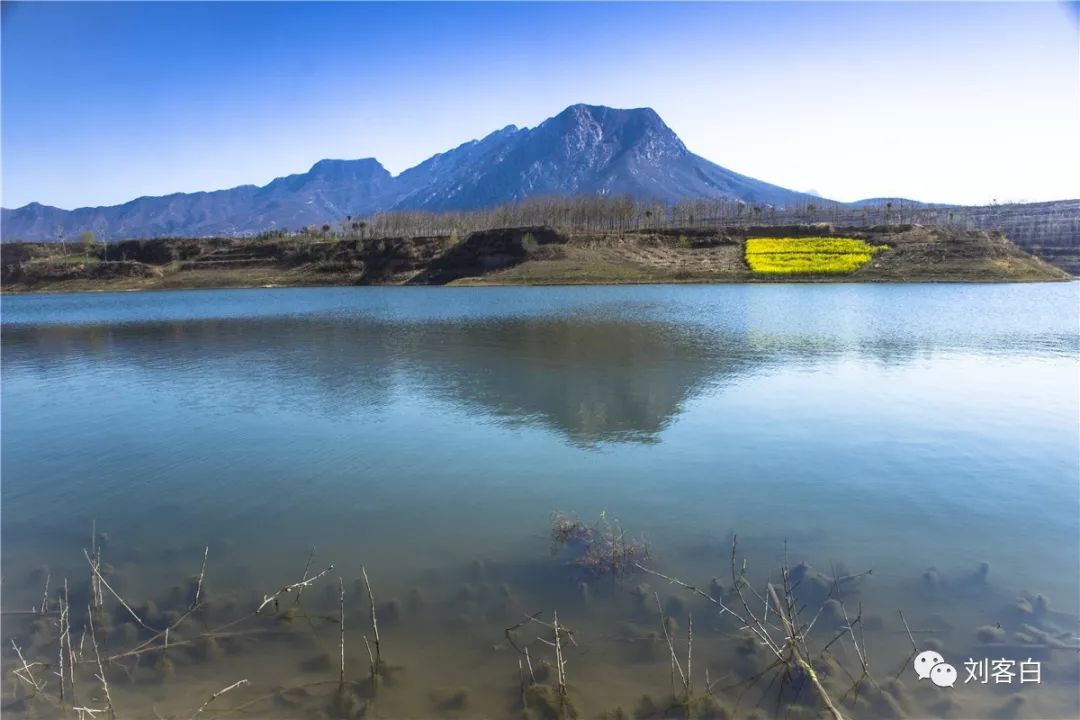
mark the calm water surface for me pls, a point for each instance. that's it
(430, 433)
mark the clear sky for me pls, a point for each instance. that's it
(961, 103)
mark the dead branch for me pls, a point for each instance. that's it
(29, 675)
(216, 695)
(101, 671)
(267, 599)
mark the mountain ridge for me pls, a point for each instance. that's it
(583, 150)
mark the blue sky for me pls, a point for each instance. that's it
(104, 102)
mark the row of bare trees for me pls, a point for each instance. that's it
(602, 213)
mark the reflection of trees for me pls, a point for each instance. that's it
(590, 379)
(594, 378)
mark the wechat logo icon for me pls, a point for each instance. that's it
(930, 665)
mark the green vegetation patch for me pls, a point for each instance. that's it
(809, 255)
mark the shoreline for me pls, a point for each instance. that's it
(518, 257)
(477, 284)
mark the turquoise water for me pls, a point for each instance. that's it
(892, 427)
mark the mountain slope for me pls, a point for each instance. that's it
(584, 150)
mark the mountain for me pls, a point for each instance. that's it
(584, 150)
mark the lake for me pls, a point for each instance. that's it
(429, 434)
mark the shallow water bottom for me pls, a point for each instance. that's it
(446, 651)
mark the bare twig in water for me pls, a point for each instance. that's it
(800, 659)
(25, 673)
(216, 695)
(67, 641)
(60, 638)
(528, 663)
(307, 568)
(560, 665)
(696, 590)
(341, 606)
(202, 573)
(101, 671)
(675, 664)
(914, 647)
(371, 661)
(45, 594)
(97, 571)
(377, 663)
(535, 618)
(787, 643)
(689, 654)
(267, 599)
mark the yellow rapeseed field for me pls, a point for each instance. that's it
(809, 255)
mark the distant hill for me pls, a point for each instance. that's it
(584, 150)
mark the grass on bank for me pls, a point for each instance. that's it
(809, 255)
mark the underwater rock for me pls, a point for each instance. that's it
(981, 574)
(467, 594)
(414, 601)
(147, 612)
(346, 704)
(615, 713)
(825, 666)
(449, 698)
(674, 606)
(646, 708)
(642, 595)
(932, 644)
(543, 671)
(990, 634)
(126, 634)
(647, 648)
(946, 707)
(584, 593)
(41, 632)
(1012, 709)
(798, 573)
(232, 645)
(478, 571)
(389, 612)
(36, 577)
(542, 702)
(502, 605)
(933, 581)
(896, 689)
(749, 659)
(317, 664)
(291, 697)
(204, 649)
(832, 614)
(885, 706)
(164, 668)
(706, 707)
(717, 590)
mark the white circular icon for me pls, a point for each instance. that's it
(943, 675)
(925, 661)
